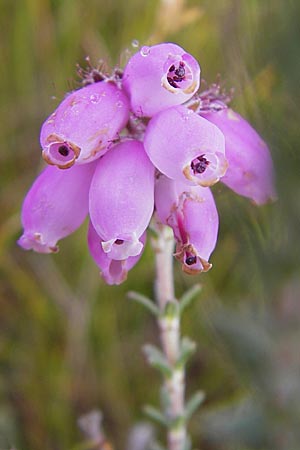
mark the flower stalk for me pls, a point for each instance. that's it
(169, 327)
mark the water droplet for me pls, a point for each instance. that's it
(94, 98)
(187, 115)
(119, 104)
(135, 43)
(145, 51)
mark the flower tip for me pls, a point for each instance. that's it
(60, 153)
(36, 243)
(209, 178)
(201, 266)
(192, 262)
(115, 274)
(264, 200)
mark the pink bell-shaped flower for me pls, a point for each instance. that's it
(191, 212)
(160, 76)
(55, 206)
(186, 147)
(250, 171)
(84, 125)
(113, 271)
(122, 199)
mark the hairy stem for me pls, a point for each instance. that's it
(169, 326)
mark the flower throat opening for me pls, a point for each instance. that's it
(176, 74)
(199, 164)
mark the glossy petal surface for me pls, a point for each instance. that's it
(191, 212)
(186, 147)
(55, 206)
(83, 126)
(160, 76)
(122, 199)
(250, 171)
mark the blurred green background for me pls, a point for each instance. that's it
(69, 343)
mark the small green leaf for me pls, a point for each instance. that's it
(156, 415)
(188, 297)
(193, 404)
(145, 301)
(188, 347)
(157, 359)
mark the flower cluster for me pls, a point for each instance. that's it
(139, 141)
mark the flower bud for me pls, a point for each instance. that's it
(113, 271)
(55, 206)
(191, 212)
(160, 76)
(122, 199)
(84, 125)
(186, 147)
(250, 171)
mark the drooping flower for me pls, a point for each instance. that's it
(55, 206)
(189, 147)
(192, 214)
(84, 125)
(122, 199)
(250, 171)
(186, 147)
(113, 271)
(160, 76)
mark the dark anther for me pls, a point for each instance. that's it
(199, 165)
(176, 75)
(190, 260)
(172, 82)
(180, 72)
(119, 241)
(63, 150)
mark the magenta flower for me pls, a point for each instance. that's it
(250, 171)
(192, 214)
(55, 206)
(122, 199)
(113, 271)
(160, 76)
(84, 125)
(186, 147)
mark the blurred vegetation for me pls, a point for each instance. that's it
(69, 343)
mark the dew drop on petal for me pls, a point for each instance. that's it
(95, 98)
(187, 115)
(145, 51)
(135, 43)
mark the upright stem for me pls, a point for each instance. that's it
(164, 248)
(169, 326)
